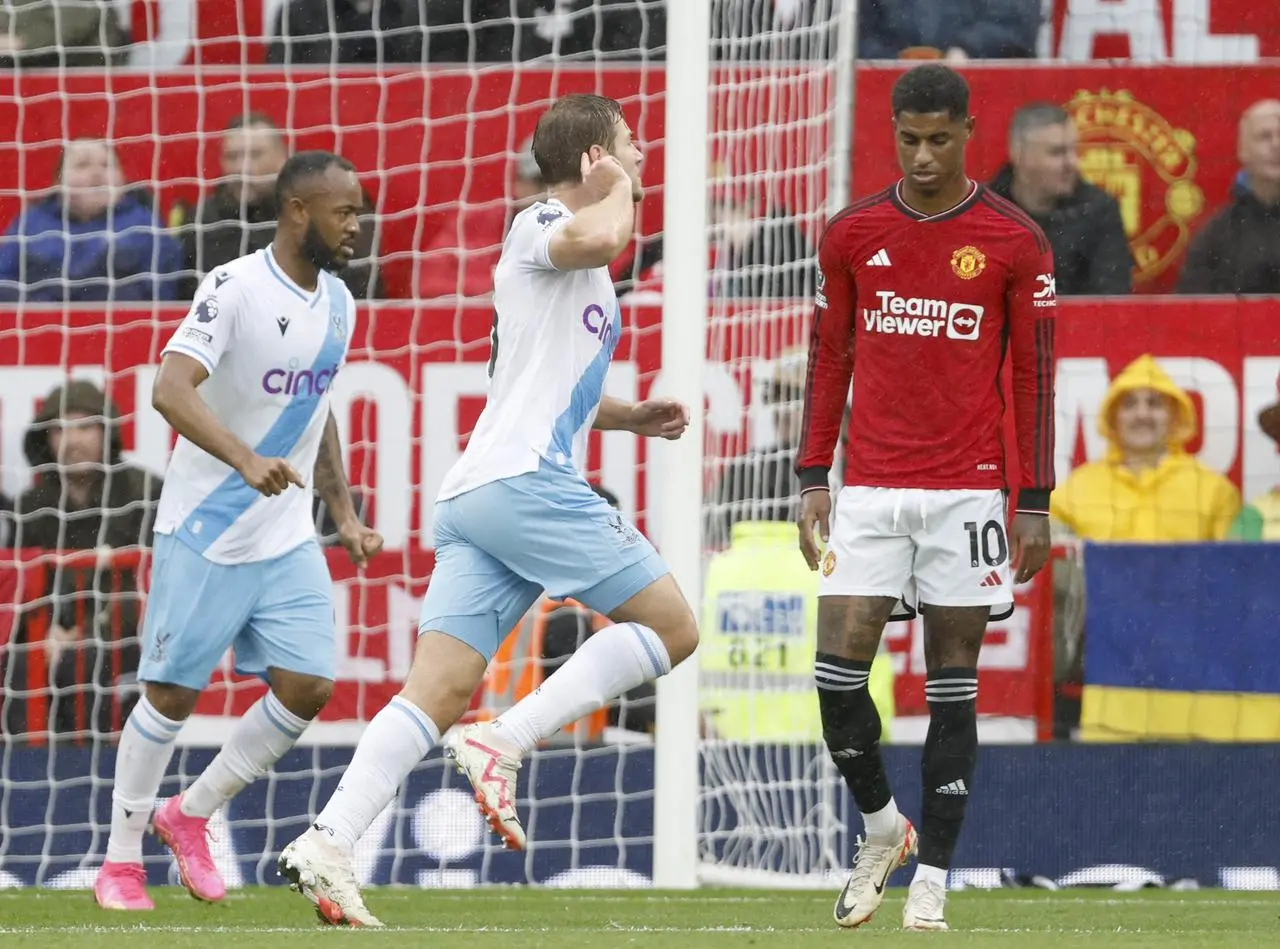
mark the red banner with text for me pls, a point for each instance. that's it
(416, 381)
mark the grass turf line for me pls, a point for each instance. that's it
(267, 918)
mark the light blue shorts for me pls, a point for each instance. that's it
(276, 614)
(499, 546)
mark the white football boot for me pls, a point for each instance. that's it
(490, 764)
(872, 866)
(322, 873)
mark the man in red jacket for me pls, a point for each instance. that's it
(930, 284)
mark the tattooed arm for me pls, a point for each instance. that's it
(331, 484)
(331, 478)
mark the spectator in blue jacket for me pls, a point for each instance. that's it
(91, 240)
(955, 30)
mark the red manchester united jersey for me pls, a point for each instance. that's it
(920, 311)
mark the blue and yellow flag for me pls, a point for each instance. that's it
(1182, 642)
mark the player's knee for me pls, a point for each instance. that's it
(174, 702)
(304, 696)
(851, 723)
(444, 676)
(680, 636)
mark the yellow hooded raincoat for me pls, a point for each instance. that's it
(1178, 500)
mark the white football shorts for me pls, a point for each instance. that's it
(926, 547)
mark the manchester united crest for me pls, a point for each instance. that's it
(828, 563)
(1149, 166)
(968, 262)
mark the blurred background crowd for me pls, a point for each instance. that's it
(94, 235)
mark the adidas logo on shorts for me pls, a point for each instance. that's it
(991, 580)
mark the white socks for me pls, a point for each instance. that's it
(882, 824)
(395, 741)
(262, 736)
(931, 874)
(265, 733)
(607, 664)
(146, 745)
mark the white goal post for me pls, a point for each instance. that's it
(791, 807)
(684, 348)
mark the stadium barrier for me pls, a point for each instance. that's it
(1084, 815)
(1228, 31)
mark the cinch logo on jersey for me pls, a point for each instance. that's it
(598, 324)
(918, 316)
(294, 382)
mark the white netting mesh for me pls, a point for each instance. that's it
(768, 811)
(136, 169)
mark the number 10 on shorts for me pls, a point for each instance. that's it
(989, 542)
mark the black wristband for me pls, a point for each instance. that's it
(814, 477)
(1033, 500)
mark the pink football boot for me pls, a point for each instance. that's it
(122, 886)
(188, 838)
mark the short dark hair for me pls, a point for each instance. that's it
(302, 166)
(248, 120)
(932, 87)
(571, 126)
(1036, 115)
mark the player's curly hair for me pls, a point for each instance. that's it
(571, 126)
(932, 87)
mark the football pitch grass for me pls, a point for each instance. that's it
(268, 918)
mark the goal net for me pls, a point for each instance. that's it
(136, 169)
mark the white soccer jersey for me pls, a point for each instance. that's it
(272, 351)
(553, 336)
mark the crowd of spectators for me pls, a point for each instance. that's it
(72, 33)
(315, 32)
(95, 237)
(102, 239)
